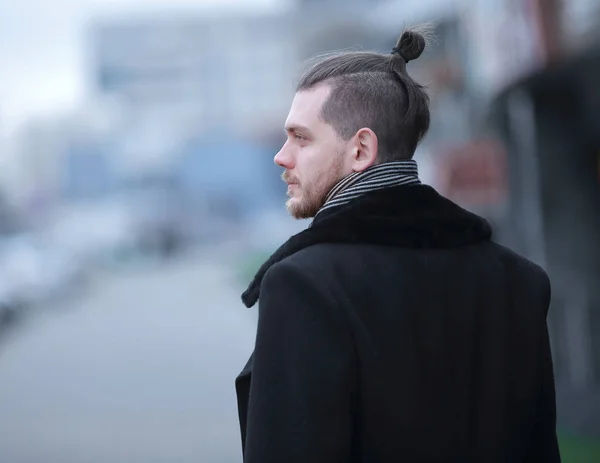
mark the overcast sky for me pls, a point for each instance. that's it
(42, 49)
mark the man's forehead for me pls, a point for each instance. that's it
(306, 106)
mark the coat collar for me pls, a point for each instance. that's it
(413, 216)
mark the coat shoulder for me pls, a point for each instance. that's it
(322, 266)
(521, 265)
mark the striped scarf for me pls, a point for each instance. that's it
(376, 177)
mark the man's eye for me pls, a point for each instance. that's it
(299, 137)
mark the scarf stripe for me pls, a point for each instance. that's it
(385, 175)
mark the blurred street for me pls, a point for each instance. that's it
(141, 369)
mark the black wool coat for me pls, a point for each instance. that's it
(394, 330)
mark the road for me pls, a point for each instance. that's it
(141, 369)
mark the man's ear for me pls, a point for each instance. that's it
(364, 149)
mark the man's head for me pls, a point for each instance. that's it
(351, 110)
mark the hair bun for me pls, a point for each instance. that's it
(410, 45)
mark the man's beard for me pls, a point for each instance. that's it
(314, 192)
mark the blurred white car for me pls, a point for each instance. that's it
(94, 232)
(34, 270)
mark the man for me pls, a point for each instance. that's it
(393, 328)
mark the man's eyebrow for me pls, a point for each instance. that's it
(293, 128)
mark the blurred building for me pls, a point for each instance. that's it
(193, 73)
(55, 158)
(39, 154)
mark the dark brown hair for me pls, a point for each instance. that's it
(374, 90)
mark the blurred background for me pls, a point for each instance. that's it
(138, 195)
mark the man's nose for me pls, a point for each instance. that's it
(284, 159)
